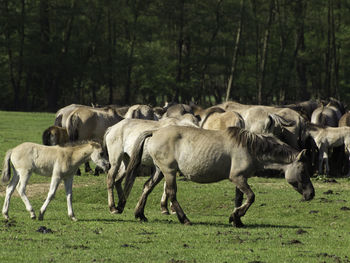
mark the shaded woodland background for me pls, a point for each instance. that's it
(56, 52)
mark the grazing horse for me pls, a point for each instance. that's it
(91, 124)
(58, 162)
(206, 156)
(325, 116)
(55, 135)
(138, 111)
(118, 142)
(176, 110)
(222, 120)
(63, 113)
(304, 108)
(344, 120)
(326, 138)
(258, 115)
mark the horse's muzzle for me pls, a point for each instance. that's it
(309, 194)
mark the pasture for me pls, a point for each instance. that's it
(279, 227)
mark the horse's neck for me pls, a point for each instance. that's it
(315, 131)
(82, 153)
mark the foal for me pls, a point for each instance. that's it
(60, 163)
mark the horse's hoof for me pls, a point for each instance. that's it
(187, 222)
(74, 219)
(41, 217)
(33, 217)
(165, 212)
(6, 217)
(141, 217)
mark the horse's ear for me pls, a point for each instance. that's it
(301, 157)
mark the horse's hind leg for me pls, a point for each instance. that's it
(147, 189)
(242, 185)
(68, 184)
(164, 203)
(9, 191)
(111, 183)
(55, 181)
(21, 189)
(171, 188)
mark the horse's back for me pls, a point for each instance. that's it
(201, 155)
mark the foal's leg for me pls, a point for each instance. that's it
(9, 191)
(55, 181)
(21, 189)
(68, 184)
(147, 189)
(242, 185)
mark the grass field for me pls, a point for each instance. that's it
(279, 227)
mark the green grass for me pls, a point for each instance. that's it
(279, 227)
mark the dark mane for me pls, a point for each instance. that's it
(313, 126)
(79, 143)
(263, 147)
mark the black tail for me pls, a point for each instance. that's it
(72, 127)
(135, 161)
(6, 170)
(210, 112)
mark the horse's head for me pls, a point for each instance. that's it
(297, 174)
(99, 157)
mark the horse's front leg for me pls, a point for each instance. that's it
(55, 181)
(68, 185)
(147, 189)
(243, 187)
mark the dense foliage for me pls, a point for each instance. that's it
(55, 52)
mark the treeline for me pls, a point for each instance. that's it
(56, 52)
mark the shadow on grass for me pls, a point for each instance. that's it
(107, 220)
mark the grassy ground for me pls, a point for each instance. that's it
(279, 227)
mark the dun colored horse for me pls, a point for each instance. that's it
(58, 162)
(119, 141)
(205, 156)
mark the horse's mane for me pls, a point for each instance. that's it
(263, 147)
(81, 143)
(313, 126)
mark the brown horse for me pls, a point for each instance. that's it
(55, 135)
(206, 156)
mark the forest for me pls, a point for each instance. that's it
(57, 52)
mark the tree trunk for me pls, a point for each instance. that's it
(235, 52)
(264, 54)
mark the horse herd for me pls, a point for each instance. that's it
(228, 141)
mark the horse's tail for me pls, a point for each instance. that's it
(72, 127)
(135, 161)
(104, 143)
(58, 120)
(210, 112)
(281, 121)
(6, 169)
